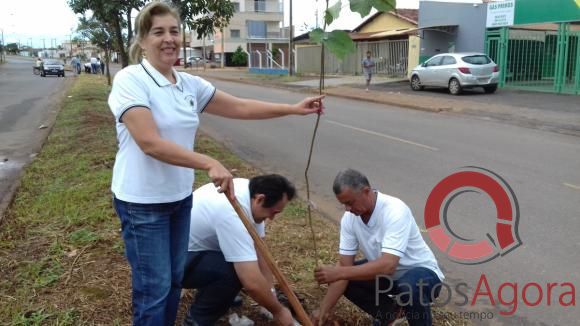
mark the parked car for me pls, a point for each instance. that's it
(52, 67)
(195, 61)
(456, 71)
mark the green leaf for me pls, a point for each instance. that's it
(339, 43)
(316, 35)
(384, 5)
(332, 13)
(363, 7)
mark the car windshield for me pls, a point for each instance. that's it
(476, 59)
(52, 62)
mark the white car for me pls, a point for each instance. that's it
(456, 71)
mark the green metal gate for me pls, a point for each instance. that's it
(537, 60)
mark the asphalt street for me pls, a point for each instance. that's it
(28, 104)
(406, 153)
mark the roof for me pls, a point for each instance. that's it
(410, 15)
(383, 34)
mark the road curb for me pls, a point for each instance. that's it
(331, 91)
(10, 194)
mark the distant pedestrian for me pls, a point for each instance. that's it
(94, 64)
(75, 65)
(102, 67)
(368, 65)
(78, 65)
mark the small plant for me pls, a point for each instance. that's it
(239, 58)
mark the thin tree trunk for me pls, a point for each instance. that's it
(184, 48)
(129, 27)
(120, 43)
(223, 48)
(107, 60)
(203, 54)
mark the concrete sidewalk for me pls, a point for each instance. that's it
(552, 112)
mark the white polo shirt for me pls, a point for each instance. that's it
(215, 225)
(391, 229)
(140, 178)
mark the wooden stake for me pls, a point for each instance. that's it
(261, 247)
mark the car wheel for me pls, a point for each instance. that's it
(454, 87)
(490, 89)
(42, 74)
(416, 83)
(63, 75)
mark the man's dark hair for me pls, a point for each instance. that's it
(349, 178)
(273, 186)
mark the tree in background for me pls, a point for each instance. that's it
(204, 16)
(12, 48)
(96, 32)
(239, 58)
(115, 16)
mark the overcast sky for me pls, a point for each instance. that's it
(52, 20)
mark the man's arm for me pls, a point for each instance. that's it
(335, 291)
(258, 288)
(265, 270)
(385, 265)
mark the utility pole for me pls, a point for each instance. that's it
(223, 48)
(316, 14)
(70, 44)
(291, 45)
(2, 57)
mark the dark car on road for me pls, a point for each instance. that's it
(52, 67)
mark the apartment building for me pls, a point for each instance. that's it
(256, 25)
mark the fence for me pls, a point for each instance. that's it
(538, 60)
(390, 56)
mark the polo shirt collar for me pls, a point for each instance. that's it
(158, 78)
(373, 219)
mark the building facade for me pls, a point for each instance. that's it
(255, 26)
(451, 27)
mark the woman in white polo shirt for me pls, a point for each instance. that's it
(156, 110)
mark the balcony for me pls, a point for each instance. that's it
(264, 6)
(269, 36)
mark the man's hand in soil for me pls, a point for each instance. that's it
(316, 318)
(327, 274)
(284, 317)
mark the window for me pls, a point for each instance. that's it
(236, 6)
(235, 33)
(256, 29)
(433, 62)
(448, 60)
(260, 5)
(477, 59)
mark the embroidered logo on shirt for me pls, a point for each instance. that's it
(190, 100)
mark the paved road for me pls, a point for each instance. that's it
(535, 100)
(406, 152)
(28, 102)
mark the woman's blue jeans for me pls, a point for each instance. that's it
(156, 238)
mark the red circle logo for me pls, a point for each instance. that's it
(477, 251)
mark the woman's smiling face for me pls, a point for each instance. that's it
(162, 43)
